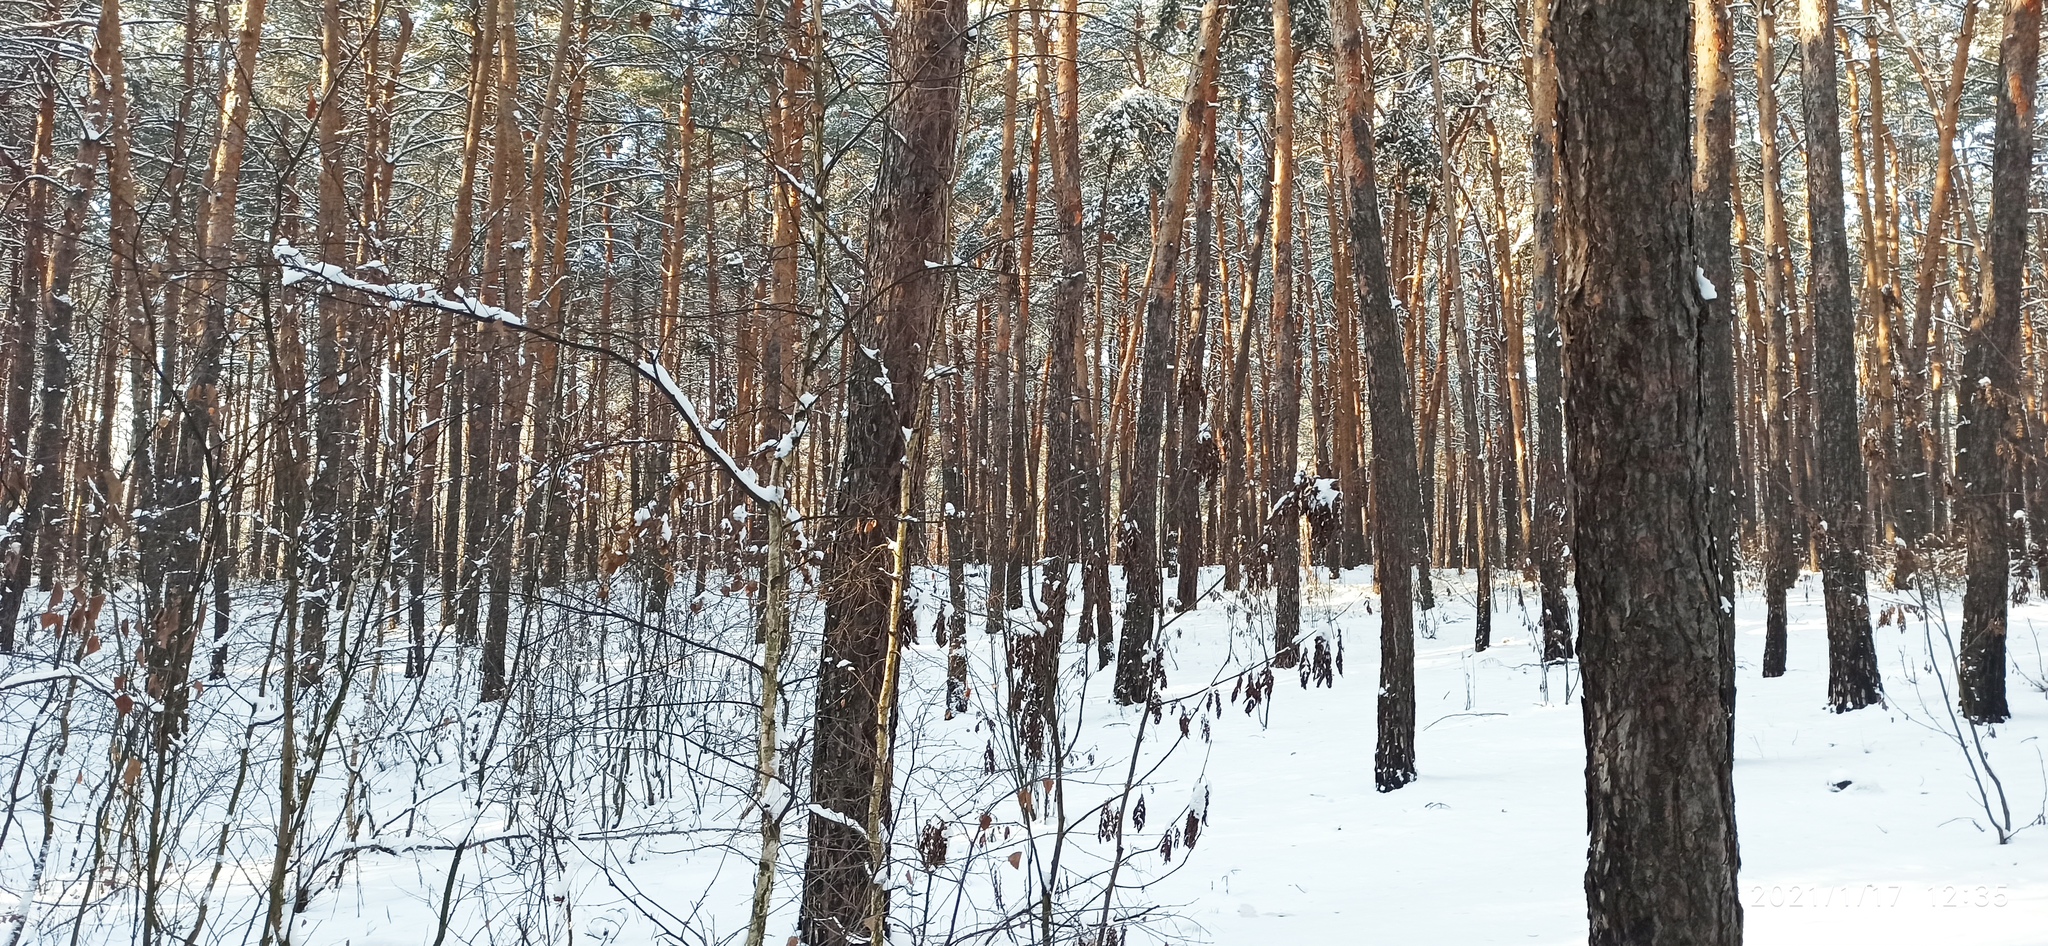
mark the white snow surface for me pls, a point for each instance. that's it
(1486, 847)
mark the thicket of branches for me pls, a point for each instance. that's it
(559, 401)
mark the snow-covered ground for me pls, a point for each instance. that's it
(1863, 828)
(1488, 845)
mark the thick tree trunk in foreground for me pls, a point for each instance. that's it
(1659, 781)
(1852, 655)
(1991, 396)
(1395, 497)
(883, 393)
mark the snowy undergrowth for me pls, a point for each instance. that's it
(608, 801)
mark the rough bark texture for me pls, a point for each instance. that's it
(1780, 565)
(1395, 497)
(1990, 395)
(1852, 655)
(1283, 511)
(1552, 518)
(882, 391)
(1197, 454)
(1139, 528)
(1713, 225)
(1660, 798)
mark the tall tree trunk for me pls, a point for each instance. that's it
(1553, 518)
(1283, 512)
(1713, 149)
(325, 560)
(189, 470)
(1652, 639)
(510, 368)
(1843, 520)
(1006, 429)
(1395, 497)
(19, 420)
(1139, 527)
(125, 292)
(1068, 426)
(1237, 459)
(911, 225)
(1989, 440)
(1917, 467)
(1071, 480)
(1197, 452)
(1781, 539)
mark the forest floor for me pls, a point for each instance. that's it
(1865, 828)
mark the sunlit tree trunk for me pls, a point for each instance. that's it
(841, 904)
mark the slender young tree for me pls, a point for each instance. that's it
(1283, 511)
(1660, 797)
(1069, 440)
(1915, 511)
(326, 558)
(1196, 456)
(1552, 518)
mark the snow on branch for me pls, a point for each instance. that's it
(60, 672)
(298, 268)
